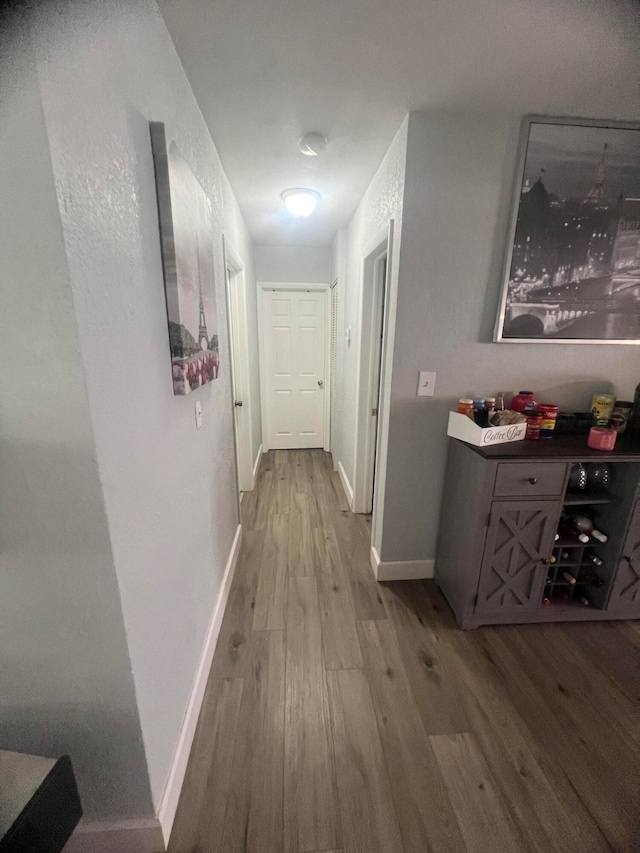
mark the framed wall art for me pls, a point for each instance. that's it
(572, 270)
(186, 237)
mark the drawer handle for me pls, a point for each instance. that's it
(533, 480)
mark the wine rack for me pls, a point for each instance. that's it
(498, 560)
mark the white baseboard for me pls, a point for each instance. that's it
(256, 466)
(126, 836)
(400, 570)
(346, 485)
(173, 785)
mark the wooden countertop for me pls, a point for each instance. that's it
(561, 447)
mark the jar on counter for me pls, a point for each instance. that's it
(549, 417)
(534, 419)
(465, 406)
(524, 402)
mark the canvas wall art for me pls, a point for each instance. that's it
(572, 271)
(186, 236)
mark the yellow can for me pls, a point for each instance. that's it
(602, 406)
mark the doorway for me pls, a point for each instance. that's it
(239, 361)
(294, 374)
(371, 416)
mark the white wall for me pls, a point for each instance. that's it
(456, 204)
(309, 264)
(105, 70)
(381, 202)
(65, 672)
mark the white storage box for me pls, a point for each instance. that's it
(462, 427)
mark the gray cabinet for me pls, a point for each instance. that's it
(625, 594)
(498, 560)
(516, 556)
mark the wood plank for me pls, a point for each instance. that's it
(254, 818)
(354, 545)
(369, 822)
(546, 811)
(311, 815)
(300, 549)
(484, 820)
(248, 510)
(265, 496)
(592, 772)
(436, 689)
(426, 818)
(232, 648)
(281, 489)
(269, 611)
(203, 800)
(339, 632)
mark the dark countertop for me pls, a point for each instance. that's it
(561, 447)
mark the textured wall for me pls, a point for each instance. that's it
(293, 263)
(106, 69)
(456, 206)
(381, 202)
(65, 673)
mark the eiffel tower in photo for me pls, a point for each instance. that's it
(595, 196)
(203, 335)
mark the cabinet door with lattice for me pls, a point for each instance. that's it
(516, 556)
(625, 594)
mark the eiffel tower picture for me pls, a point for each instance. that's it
(186, 232)
(203, 337)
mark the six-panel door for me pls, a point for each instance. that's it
(295, 348)
(516, 556)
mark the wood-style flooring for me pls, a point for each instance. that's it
(343, 715)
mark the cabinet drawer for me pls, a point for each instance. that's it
(529, 479)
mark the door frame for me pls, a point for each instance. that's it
(239, 362)
(376, 250)
(263, 286)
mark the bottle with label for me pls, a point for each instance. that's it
(583, 526)
(465, 407)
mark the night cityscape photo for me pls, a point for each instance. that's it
(574, 272)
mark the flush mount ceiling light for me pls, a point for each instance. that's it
(300, 202)
(312, 144)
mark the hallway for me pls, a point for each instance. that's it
(344, 715)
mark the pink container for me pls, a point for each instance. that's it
(602, 438)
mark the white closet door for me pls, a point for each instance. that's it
(294, 337)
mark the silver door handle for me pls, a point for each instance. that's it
(238, 403)
(320, 382)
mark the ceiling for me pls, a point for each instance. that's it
(267, 71)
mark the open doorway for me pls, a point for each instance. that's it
(372, 358)
(239, 360)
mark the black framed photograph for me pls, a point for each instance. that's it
(186, 240)
(572, 269)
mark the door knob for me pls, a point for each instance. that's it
(238, 403)
(320, 382)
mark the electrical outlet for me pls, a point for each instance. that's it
(198, 410)
(426, 384)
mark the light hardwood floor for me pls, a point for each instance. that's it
(347, 716)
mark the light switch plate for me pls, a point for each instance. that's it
(426, 384)
(198, 410)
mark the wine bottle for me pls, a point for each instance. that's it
(553, 559)
(583, 526)
(581, 595)
(589, 557)
(569, 578)
(599, 535)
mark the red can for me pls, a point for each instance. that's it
(549, 418)
(534, 419)
(524, 402)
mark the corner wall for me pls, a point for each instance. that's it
(107, 68)
(381, 202)
(457, 199)
(65, 672)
